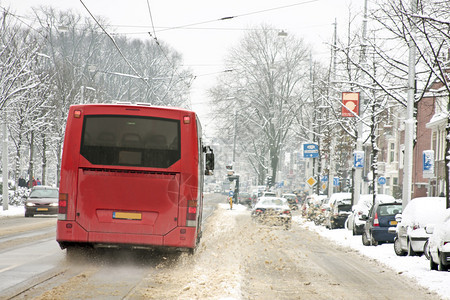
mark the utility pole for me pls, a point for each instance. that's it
(234, 136)
(331, 155)
(409, 122)
(359, 140)
(5, 194)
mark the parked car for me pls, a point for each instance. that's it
(272, 211)
(438, 244)
(410, 232)
(380, 218)
(337, 210)
(245, 199)
(316, 211)
(43, 200)
(354, 221)
(269, 194)
(292, 200)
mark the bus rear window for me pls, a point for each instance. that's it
(130, 141)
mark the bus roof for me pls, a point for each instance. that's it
(129, 104)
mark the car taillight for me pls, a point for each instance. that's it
(191, 216)
(287, 212)
(258, 211)
(62, 206)
(415, 226)
(375, 220)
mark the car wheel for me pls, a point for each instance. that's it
(441, 266)
(433, 265)
(332, 225)
(27, 215)
(365, 239)
(288, 225)
(354, 232)
(411, 252)
(425, 250)
(398, 248)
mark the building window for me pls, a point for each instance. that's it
(392, 153)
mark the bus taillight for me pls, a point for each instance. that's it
(191, 217)
(77, 114)
(62, 207)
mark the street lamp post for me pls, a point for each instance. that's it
(5, 195)
(409, 122)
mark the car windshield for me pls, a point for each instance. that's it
(44, 193)
(269, 194)
(277, 202)
(389, 209)
(344, 207)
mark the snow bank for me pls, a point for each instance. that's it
(12, 211)
(414, 267)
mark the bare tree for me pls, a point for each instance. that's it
(268, 87)
(431, 38)
(19, 56)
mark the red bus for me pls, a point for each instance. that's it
(132, 176)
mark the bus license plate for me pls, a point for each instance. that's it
(393, 222)
(42, 209)
(127, 215)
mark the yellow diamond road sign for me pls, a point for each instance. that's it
(311, 181)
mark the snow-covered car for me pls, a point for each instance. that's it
(43, 200)
(273, 211)
(292, 200)
(269, 194)
(410, 231)
(338, 211)
(438, 245)
(317, 209)
(338, 214)
(245, 199)
(354, 221)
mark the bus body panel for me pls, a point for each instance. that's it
(130, 204)
(181, 237)
(127, 202)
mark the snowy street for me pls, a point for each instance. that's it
(238, 259)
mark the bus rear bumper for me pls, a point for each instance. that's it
(71, 233)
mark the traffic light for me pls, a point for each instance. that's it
(269, 181)
(230, 171)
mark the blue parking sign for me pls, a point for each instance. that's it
(358, 159)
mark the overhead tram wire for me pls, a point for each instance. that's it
(241, 15)
(162, 50)
(154, 37)
(115, 45)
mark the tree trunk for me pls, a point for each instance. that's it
(447, 157)
(31, 165)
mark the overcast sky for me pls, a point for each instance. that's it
(204, 45)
